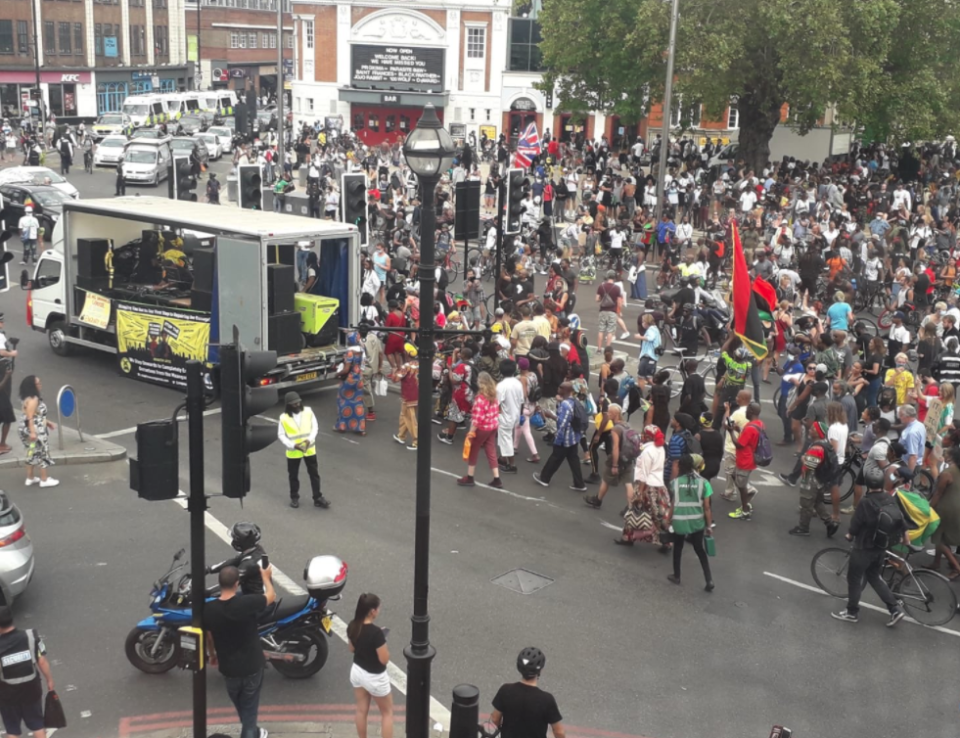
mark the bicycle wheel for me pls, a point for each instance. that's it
(927, 597)
(885, 319)
(709, 375)
(675, 382)
(870, 326)
(829, 568)
(847, 478)
(923, 483)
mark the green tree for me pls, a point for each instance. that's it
(892, 66)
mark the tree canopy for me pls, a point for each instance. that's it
(890, 66)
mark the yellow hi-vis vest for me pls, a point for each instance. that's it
(298, 434)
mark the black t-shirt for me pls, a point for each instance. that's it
(527, 711)
(684, 296)
(365, 649)
(233, 624)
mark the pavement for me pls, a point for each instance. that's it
(628, 653)
(77, 449)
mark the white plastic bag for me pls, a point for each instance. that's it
(380, 386)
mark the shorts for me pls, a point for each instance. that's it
(505, 439)
(608, 322)
(28, 713)
(741, 479)
(625, 472)
(378, 685)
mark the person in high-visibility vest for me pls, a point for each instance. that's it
(297, 431)
(690, 515)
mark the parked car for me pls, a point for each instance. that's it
(47, 205)
(112, 124)
(192, 123)
(224, 136)
(212, 145)
(189, 146)
(38, 176)
(149, 133)
(109, 151)
(16, 552)
(146, 161)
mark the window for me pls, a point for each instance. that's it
(476, 43)
(23, 38)
(265, 41)
(251, 40)
(134, 42)
(242, 40)
(78, 39)
(6, 37)
(733, 117)
(308, 32)
(65, 38)
(273, 40)
(49, 38)
(234, 40)
(310, 105)
(161, 44)
(98, 39)
(523, 41)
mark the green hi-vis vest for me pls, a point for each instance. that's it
(298, 433)
(687, 494)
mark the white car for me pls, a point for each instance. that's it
(212, 143)
(224, 135)
(109, 151)
(39, 175)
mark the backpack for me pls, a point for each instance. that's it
(693, 445)
(631, 443)
(890, 523)
(624, 389)
(607, 302)
(579, 421)
(763, 454)
(827, 471)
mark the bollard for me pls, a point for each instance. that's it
(465, 711)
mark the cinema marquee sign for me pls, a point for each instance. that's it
(400, 68)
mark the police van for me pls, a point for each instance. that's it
(146, 110)
(219, 102)
(179, 104)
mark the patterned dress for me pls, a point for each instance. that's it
(38, 452)
(351, 414)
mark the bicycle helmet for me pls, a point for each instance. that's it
(873, 478)
(574, 321)
(741, 354)
(689, 306)
(244, 536)
(530, 662)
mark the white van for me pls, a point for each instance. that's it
(178, 104)
(146, 110)
(146, 161)
(206, 100)
(226, 101)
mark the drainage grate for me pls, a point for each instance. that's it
(522, 581)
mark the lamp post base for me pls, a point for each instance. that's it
(418, 690)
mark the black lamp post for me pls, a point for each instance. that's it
(429, 151)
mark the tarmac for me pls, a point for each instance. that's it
(88, 450)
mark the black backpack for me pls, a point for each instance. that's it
(890, 523)
(579, 421)
(827, 471)
(693, 445)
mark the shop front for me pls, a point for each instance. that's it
(66, 94)
(387, 117)
(523, 112)
(113, 86)
(571, 127)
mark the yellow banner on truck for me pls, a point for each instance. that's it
(155, 343)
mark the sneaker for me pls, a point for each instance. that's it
(399, 440)
(506, 469)
(497, 483)
(444, 438)
(593, 501)
(436, 420)
(294, 504)
(741, 514)
(23, 263)
(729, 497)
(575, 488)
(322, 502)
(593, 479)
(709, 587)
(798, 531)
(672, 578)
(31, 481)
(785, 478)
(538, 480)
(49, 482)
(847, 510)
(625, 335)
(832, 527)
(548, 438)
(371, 415)
(895, 617)
(846, 617)
(263, 733)
(466, 481)
(412, 447)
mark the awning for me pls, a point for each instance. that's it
(388, 97)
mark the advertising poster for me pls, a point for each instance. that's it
(155, 343)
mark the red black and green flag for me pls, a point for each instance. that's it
(746, 318)
(765, 296)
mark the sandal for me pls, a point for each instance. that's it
(533, 460)
(622, 542)
(953, 576)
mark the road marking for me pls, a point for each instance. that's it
(128, 431)
(867, 605)
(538, 500)
(398, 678)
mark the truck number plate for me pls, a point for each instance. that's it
(307, 377)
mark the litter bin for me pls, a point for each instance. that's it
(232, 188)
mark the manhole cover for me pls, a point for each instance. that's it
(522, 581)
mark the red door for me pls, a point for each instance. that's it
(376, 124)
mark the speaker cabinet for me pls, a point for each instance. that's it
(281, 288)
(283, 333)
(204, 264)
(90, 257)
(201, 300)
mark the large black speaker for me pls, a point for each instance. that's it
(283, 253)
(467, 222)
(201, 300)
(283, 333)
(281, 288)
(204, 265)
(90, 253)
(155, 473)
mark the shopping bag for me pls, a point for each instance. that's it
(710, 544)
(380, 386)
(53, 716)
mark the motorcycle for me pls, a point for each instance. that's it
(293, 630)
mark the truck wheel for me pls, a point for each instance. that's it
(57, 335)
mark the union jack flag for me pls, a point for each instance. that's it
(528, 147)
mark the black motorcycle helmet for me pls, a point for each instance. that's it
(244, 536)
(530, 662)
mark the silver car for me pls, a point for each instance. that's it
(16, 552)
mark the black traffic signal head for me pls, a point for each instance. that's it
(353, 202)
(243, 396)
(517, 184)
(183, 179)
(250, 187)
(155, 473)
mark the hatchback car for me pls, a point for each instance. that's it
(193, 123)
(212, 145)
(47, 203)
(109, 151)
(154, 133)
(16, 552)
(38, 176)
(189, 146)
(224, 135)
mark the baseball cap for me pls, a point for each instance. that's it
(899, 315)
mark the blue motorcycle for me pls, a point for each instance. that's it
(293, 630)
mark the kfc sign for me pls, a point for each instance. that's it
(69, 78)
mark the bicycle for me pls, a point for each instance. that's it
(707, 370)
(926, 595)
(88, 161)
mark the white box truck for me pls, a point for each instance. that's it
(816, 146)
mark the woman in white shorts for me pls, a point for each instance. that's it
(368, 675)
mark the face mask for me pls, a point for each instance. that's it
(901, 366)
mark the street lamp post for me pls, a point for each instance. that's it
(429, 151)
(667, 108)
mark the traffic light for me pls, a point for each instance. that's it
(155, 473)
(353, 202)
(249, 187)
(182, 181)
(243, 395)
(517, 184)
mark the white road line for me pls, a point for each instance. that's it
(398, 678)
(611, 526)
(867, 605)
(538, 500)
(128, 431)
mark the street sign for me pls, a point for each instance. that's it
(155, 81)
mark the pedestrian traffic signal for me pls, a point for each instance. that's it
(353, 202)
(517, 184)
(243, 394)
(182, 182)
(250, 187)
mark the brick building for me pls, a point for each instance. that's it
(93, 53)
(237, 43)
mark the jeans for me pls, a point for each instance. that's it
(302, 265)
(277, 203)
(313, 471)
(865, 565)
(572, 455)
(696, 540)
(245, 694)
(30, 250)
(873, 389)
(785, 417)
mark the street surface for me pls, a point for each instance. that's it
(628, 653)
